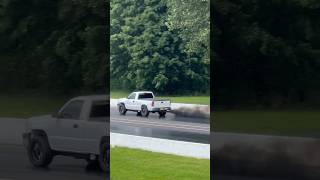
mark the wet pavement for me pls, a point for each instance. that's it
(171, 127)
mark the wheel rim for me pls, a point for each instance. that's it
(121, 109)
(36, 152)
(143, 111)
(105, 156)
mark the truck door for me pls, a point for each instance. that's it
(68, 132)
(96, 126)
(130, 102)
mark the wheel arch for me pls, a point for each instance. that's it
(121, 103)
(144, 105)
(40, 133)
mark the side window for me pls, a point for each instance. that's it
(100, 111)
(72, 110)
(132, 96)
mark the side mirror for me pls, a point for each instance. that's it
(56, 115)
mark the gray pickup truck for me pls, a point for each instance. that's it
(79, 129)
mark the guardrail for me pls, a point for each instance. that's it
(11, 130)
(181, 148)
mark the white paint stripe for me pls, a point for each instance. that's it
(181, 148)
(165, 123)
(172, 127)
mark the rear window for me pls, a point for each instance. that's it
(145, 96)
(99, 111)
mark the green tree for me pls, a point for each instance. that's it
(267, 52)
(145, 54)
(192, 19)
(57, 45)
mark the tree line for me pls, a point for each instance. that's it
(62, 46)
(54, 46)
(266, 53)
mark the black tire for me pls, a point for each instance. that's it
(39, 152)
(122, 109)
(144, 111)
(104, 157)
(93, 164)
(162, 113)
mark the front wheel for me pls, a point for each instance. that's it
(122, 109)
(144, 111)
(39, 152)
(104, 157)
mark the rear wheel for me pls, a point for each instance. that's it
(93, 164)
(104, 156)
(144, 111)
(39, 152)
(122, 109)
(162, 113)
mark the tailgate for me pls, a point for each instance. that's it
(162, 103)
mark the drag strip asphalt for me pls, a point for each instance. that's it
(171, 127)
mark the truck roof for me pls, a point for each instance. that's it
(92, 97)
(142, 92)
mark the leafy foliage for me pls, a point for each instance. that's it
(55, 45)
(267, 52)
(146, 54)
(192, 19)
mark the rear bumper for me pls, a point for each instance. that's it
(166, 109)
(26, 139)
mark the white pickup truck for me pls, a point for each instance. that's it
(143, 102)
(79, 129)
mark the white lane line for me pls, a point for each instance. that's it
(193, 129)
(164, 123)
(176, 126)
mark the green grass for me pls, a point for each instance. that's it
(139, 165)
(205, 100)
(24, 106)
(292, 123)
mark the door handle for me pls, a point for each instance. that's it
(75, 126)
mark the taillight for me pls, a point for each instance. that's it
(152, 104)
